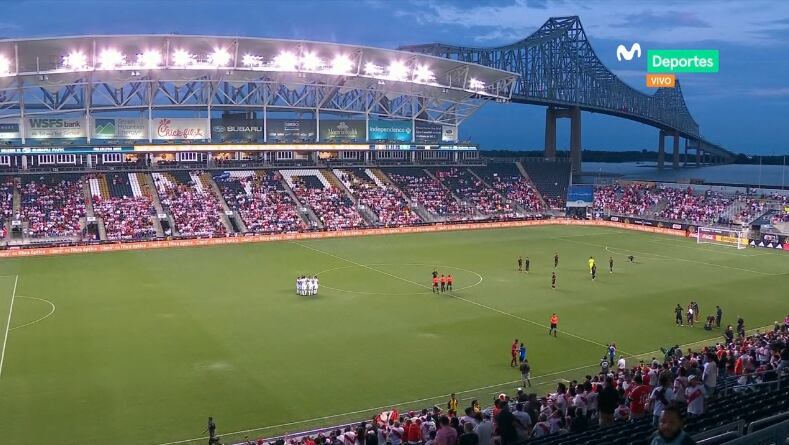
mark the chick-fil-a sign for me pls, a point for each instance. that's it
(170, 128)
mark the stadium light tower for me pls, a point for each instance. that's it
(423, 74)
(149, 59)
(110, 59)
(397, 71)
(220, 57)
(310, 62)
(182, 58)
(341, 64)
(372, 69)
(251, 60)
(286, 61)
(75, 60)
(5, 66)
(476, 84)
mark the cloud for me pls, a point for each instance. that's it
(680, 22)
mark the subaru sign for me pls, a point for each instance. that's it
(236, 130)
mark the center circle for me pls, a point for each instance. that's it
(415, 276)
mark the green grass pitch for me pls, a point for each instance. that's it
(140, 347)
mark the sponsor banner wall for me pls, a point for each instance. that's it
(168, 128)
(427, 132)
(236, 130)
(10, 130)
(651, 223)
(16, 252)
(771, 241)
(58, 150)
(343, 130)
(120, 128)
(291, 130)
(449, 133)
(55, 128)
(383, 130)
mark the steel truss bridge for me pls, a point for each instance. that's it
(148, 76)
(558, 68)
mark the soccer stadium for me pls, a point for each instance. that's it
(293, 241)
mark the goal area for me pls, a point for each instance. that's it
(722, 237)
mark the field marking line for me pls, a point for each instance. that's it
(39, 319)
(8, 324)
(668, 257)
(718, 250)
(405, 404)
(490, 308)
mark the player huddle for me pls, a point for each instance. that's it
(307, 285)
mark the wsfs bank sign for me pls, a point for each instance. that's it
(55, 128)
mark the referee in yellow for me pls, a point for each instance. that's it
(591, 263)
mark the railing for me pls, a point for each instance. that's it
(772, 435)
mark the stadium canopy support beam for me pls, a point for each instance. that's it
(698, 156)
(661, 151)
(675, 154)
(550, 133)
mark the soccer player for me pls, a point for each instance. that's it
(610, 264)
(300, 285)
(690, 315)
(520, 264)
(631, 258)
(678, 315)
(554, 324)
(718, 316)
(435, 283)
(591, 264)
(522, 353)
(514, 352)
(443, 283)
(316, 283)
(449, 282)
(311, 285)
(527, 263)
(594, 271)
(556, 260)
(211, 428)
(553, 280)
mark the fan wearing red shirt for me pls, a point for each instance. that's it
(638, 398)
(514, 360)
(413, 433)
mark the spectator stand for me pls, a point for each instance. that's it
(512, 183)
(385, 204)
(52, 207)
(195, 211)
(550, 177)
(331, 206)
(124, 212)
(428, 193)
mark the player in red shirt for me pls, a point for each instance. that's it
(443, 283)
(514, 353)
(554, 325)
(638, 398)
(435, 284)
(449, 282)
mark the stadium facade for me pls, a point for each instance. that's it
(93, 100)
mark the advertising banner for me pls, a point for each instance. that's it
(291, 130)
(55, 128)
(10, 130)
(236, 130)
(120, 128)
(771, 241)
(427, 132)
(381, 130)
(57, 150)
(449, 133)
(649, 223)
(178, 128)
(580, 196)
(343, 130)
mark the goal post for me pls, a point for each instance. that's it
(722, 237)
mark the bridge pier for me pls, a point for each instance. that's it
(550, 133)
(675, 155)
(574, 114)
(661, 152)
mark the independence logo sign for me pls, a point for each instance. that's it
(683, 61)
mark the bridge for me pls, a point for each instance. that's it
(559, 69)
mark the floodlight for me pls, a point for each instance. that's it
(423, 74)
(372, 69)
(397, 71)
(476, 84)
(149, 59)
(75, 60)
(110, 58)
(286, 61)
(182, 58)
(5, 66)
(310, 62)
(341, 64)
(220, 57)
(250, 60)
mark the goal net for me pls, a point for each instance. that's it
(722, 237)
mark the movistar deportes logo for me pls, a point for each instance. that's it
(624, 53)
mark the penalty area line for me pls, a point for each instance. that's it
(452, 295)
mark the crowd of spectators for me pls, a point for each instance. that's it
(752, 208)
(7, 198)
(474, 192)
(428, 193)
(389, 204)
(52, 206)
(335, 210)
(685, 205)
(625, 199)
(261, 201)
(518, 189)
(126, 217)
(196, 213)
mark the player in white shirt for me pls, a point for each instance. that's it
(298, 285)
(310, 286)
(316, 282)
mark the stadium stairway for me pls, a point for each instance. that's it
(525, 174)
(237, 224)
(149, 184)
(89, 189)
(17, 203)
(370, 218)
